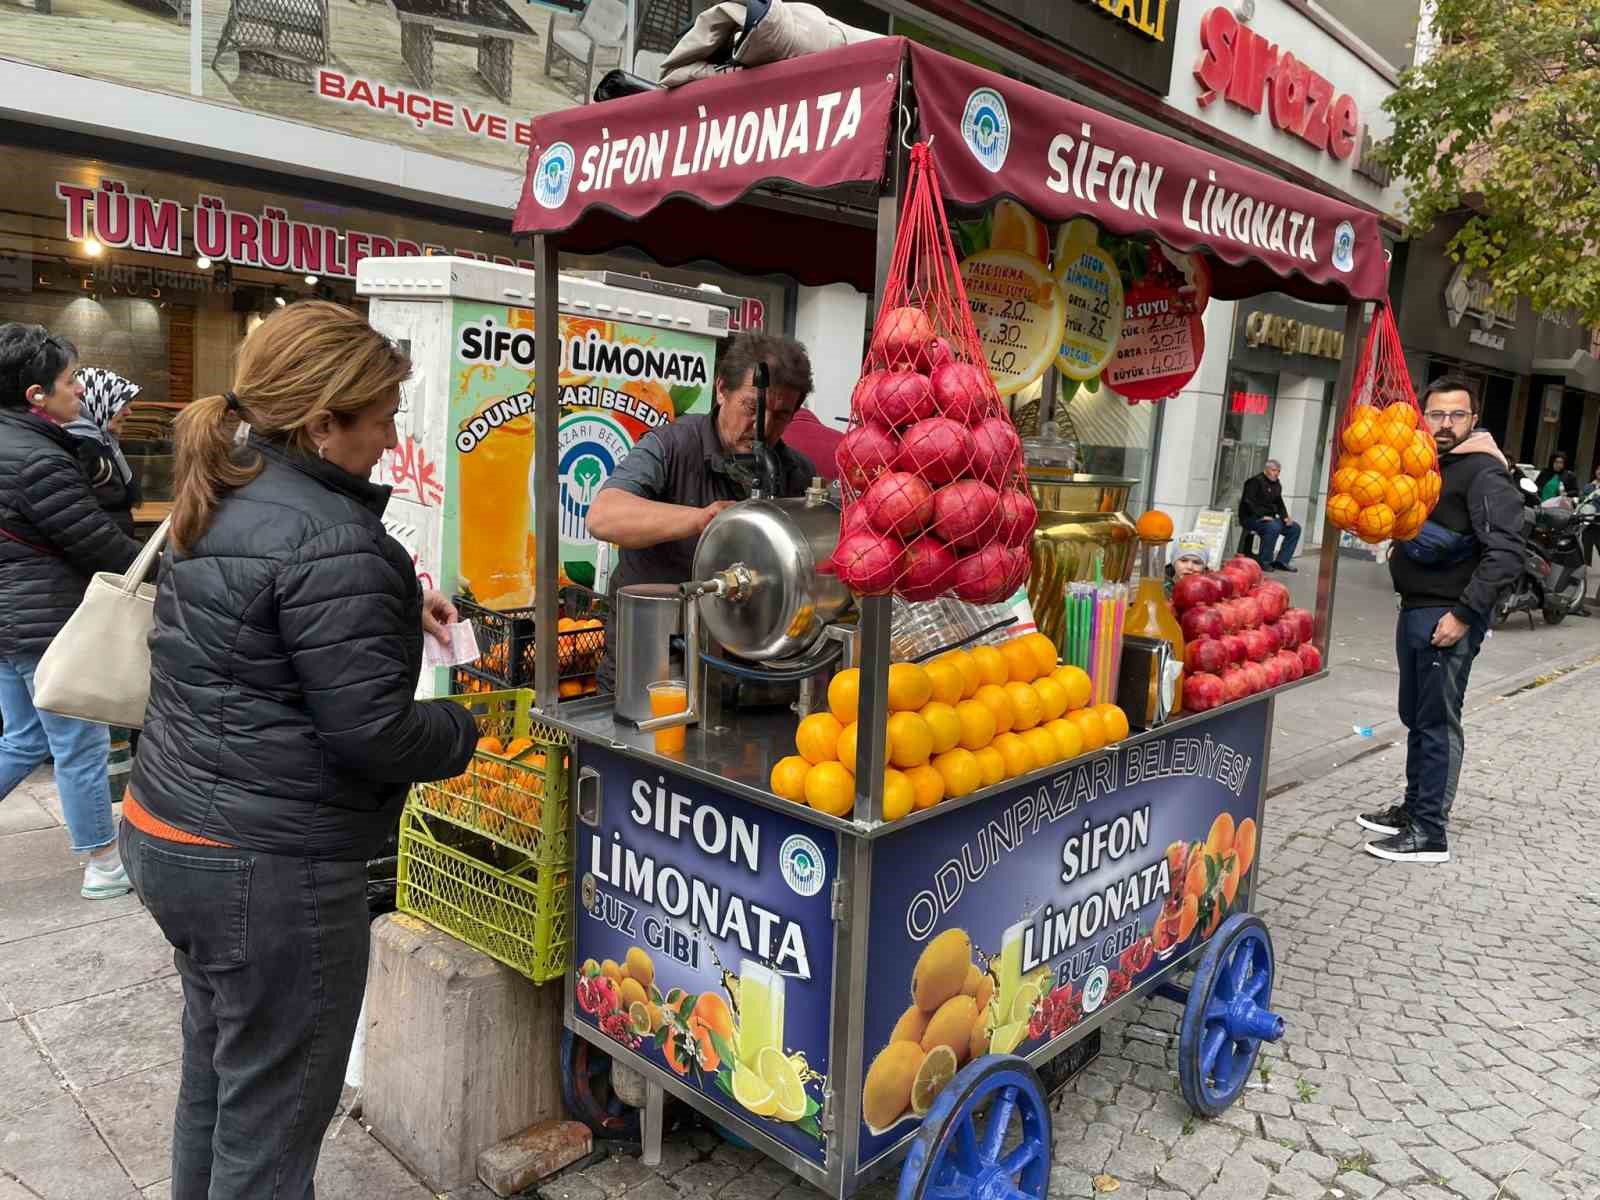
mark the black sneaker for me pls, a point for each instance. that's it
(1390, 820)
(1410, 846)
(1289, 567)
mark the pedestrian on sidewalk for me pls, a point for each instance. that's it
(1263, 512)
(281, 737)
(53, 538)
(1449, 579)
(102, 413)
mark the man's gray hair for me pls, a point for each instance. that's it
(1272, 462)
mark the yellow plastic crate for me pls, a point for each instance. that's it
(519, 802)
(492, 898)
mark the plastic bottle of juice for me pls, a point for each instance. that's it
(1150, 612)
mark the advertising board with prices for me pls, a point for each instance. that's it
(1005, 924)
(705, 936)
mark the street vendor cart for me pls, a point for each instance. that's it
(759, 959)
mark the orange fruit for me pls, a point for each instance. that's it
(927, 786)
(899, 797)
(1347, 460)
(1408, 522)
(998, 702)
(971, 677)
(943, 723)
(831, 789)
(1090, 727)
(910, 740)
(1343, 510)
(1244, 844)
(1419, 458)
(1155, 526)
(1028, 710)
(1188, 915)
(1114, 720)
(1069, 742)
(817, 738)
(1375, 523)
(1395, 434)
(1021, 666)
(1428, 485)
(960, 771)
(1044, 652)
(491, 745)
(1078, 684)
(1361, 433)
(991, 765)
(946, 679)
(789, 778)
(846, 747)
(712, 1011)
(909, 687)
(1382, 458)
(844, 695)
(1018, 758)
(1194, 883)
(1052, 697)
(1368, 488)
(1219, 842)
(1401, 414)
(978, 725)
(1230, 878)
(1344, 477)
(1400, 493)
(991, 666)
(1042, 746)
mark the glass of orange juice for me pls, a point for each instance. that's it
(669, 696)
(493, 515)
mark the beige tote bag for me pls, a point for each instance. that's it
(98, 667)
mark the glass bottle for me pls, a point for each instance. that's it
(1150, 613)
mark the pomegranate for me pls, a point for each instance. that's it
(1239, 578)
(980, 578)
(1270, 632)
(901, 398)
(866, 388)
(1246, 564)
(934, 355)
(1288, 633)
(1205, 654)
(868, 562)
(864, 453)
(961, 391)
(1293, 668)
(1258, 645)
(926, 569)
(1191, 591)
(853, 520)
(1017, 573)
(1249, 612)
(1235, 685)
(1256, 674)
(1228, 613)
(996, 450)
(1201, 692)
(1203, 622)
(966, 513)
(1018, 516)
(1305, 620)
(1273, 598)
(1238, 651)
(1273, 666)
(898, 503)
(902, 336)
(1310, 658)
(938, 449)
(1223, 582)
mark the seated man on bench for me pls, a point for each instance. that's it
(1262, 511)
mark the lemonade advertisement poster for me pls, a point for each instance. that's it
(704, 938)
(1004, 925)
(618, 382)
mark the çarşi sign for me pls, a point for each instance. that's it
(1292, 336)
(119, 218)
(1245, 69)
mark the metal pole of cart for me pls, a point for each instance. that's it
(1328, 560)
(546, 509)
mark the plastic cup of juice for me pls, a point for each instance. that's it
(669, 696)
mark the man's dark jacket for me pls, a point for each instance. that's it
(1477, 497)
(284, 660)
(53, 533)
(1262, 501)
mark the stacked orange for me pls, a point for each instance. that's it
(1387, 479)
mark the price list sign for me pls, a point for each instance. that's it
(1160, 349)
(1092, 291)
(1019, 313)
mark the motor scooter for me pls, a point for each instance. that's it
(1554, 579)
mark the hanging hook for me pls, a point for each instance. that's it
(905, 126)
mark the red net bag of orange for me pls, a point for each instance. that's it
(936, 501)
(1385, 478)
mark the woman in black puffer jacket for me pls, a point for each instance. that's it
(281, 736)
(53, 537)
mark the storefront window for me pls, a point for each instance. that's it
(1246, 435)
(1113, 437)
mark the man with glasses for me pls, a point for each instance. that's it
(1449, 578)
(1262, 511)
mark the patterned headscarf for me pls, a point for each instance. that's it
(105, 394)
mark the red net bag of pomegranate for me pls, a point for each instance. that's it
(1385, 476)
(936, 501)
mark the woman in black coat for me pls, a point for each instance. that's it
(281, 737)
(53, 538)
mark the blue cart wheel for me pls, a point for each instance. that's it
(1228, 1015)
(968, 1148)
(586, 1087)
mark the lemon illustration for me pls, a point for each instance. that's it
(1008, 1037)
(754, 1092)
(938, 1069)
(788, 1092)
(1022, 1004)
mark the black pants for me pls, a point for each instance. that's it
(1433, 685)
(273, 955)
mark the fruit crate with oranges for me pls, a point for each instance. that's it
(507, 647)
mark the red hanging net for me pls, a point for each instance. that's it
(1385, 476)
(936, 501)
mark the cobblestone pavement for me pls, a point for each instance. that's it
(1443, 1037)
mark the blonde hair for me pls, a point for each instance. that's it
(310, 358)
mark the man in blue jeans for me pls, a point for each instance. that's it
(1262, 511)
(1449, 578)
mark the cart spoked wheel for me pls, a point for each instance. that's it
(987, 1137)
(1227, 1016)
(586, 1087)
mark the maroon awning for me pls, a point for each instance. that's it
(651, 172)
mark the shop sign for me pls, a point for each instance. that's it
(1250, 404)
(121, 219)
(1469, 295)
(1132, 37)
(751, 314)
(1148, 17)
(1292, 336)
(1244, 68)
(1490, 341)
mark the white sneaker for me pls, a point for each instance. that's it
(100, 883)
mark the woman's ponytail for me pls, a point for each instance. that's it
(203, 466)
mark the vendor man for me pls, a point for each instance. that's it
(665, 492)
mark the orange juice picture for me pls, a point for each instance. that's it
(666, 697)
(494, 515)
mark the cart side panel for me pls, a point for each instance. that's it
(1073, 891)
(730, 902)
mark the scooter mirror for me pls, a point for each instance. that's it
(1526, 485)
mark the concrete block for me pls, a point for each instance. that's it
(462, 1052)
(536, 1153)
